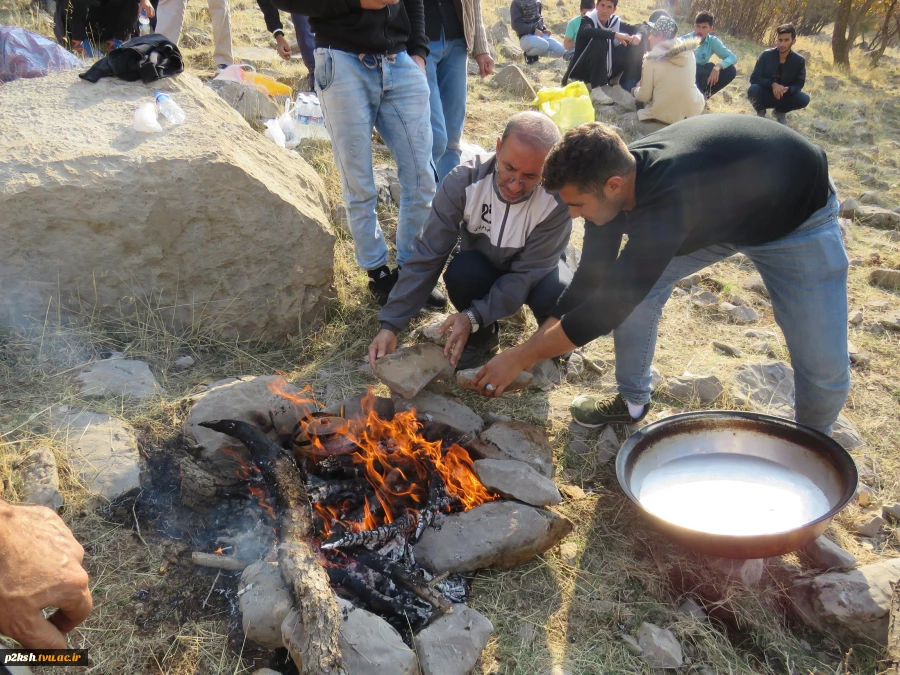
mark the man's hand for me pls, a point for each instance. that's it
(500, 371)
(547, 33)
(778, 90)
(283, 47)
(635, 40)
(420, 62)
(485, 65)
(623, 38)
(145, 7)
(460, 328)
(376, 4)
(713, 77)
(383, 344)
(40, 567)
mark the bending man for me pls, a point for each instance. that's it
(513, 235)
(765, 192)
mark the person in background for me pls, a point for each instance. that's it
(711, 77)
(82, 25)
(667, 79)
(573, 27)
(40, 567)
(778, 77)
(370, 73)
(170, 20)
(534, 38)
(454, 29)
(607, 47)
(306, 41)
(512, 236)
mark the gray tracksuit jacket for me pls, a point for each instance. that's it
(525, 239)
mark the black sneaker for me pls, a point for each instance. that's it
(760, 113)
(477, 352)
(589, 411)
(435, 299)
(381, 282)
(531, 60)
(780, 117)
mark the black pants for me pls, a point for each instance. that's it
(762, 98)
(726, 75)
(470, 276)
(94, 20)
(588, 63)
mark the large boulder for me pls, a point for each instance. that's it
(209, 221)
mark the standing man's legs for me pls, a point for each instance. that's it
(220, 12)
(170, 18)
(806, 275)
(404, 122)
(306, 42)
(451, 81)
(436, 99)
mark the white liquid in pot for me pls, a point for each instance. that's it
(732, 494)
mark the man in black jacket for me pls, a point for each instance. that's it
(778, 78)
(306, 41)
(370, 72)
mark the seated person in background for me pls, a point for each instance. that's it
(534, 38)
(513, 235)
(711, 77)
(573, 26)
(79, 24)
(606, 47)
(667, 80)
(306, 41)
(778, 78)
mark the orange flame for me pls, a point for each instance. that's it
(219, 551)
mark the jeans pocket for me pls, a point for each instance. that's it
(324, 69)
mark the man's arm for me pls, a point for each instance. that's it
(417, 43)
(271, 15)
(796, 86)
(760, 75)
(726, 56)
(480, 43)
(519, 25)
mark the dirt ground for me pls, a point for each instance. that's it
(155, 613)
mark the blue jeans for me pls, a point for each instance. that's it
(762, 98)
(446, 69)
(806, 275)
(389, 93)
(533, 45)
(306, 41)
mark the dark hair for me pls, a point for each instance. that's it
(787, 28)
(657, 13)
(586, 158)
(705, 17)
(587, 4)
(615, 3)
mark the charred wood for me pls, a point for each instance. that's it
(400, 528)
(414, 580)
(415, 612)
(222, 562)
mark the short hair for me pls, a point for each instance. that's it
(615, 3)
(705, 17)
(587, 4)
(787, 28)
(657, 13)
(532, 128)
(586, 158)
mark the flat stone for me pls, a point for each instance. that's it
(725, 348)
(465, 379)
(431, 331)
(517, 480)
(499, 31)
(892, 510)
(756, 284)
(767, 387)
(527, 634)
(872, 216)
(453, 643)
(746, 572)
(524, 442)
(41, 479)
(118, 377)
(264, 600)
(703, 298)
(889, 279)
(249, 102)
(631, 645)
(679, 292)
(706, 388)
(510, 50)
(849, 605)
(855, 318)
(184, 362)
(761, 347)
(102, 451)
(738, 300)
(359, 407)
(496, 535)
(407, 370)
(512, 79)
(759, 334)
(608, 445)
(568, 553)
(659, 648)
(371, 646)
(572, 491)
(867, 525)
(825, 554)
(438, 409)
(741, 315)
(387, 183)
(880, 305)
(692, 608)
(690, 281)
(891, 321)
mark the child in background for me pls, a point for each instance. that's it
(572, 28)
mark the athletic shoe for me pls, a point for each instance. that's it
(599, 97)
(381, 282)
(477, 352)
(589, 411)
(531, 60)
(760, 113)
(781, 117)
(435, 299)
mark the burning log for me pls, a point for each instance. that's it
(413, 580)
(222, 562)
(400, 528)
(338, 491)
(298, 561)
(396, 607)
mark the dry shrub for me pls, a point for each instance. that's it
(755, 19)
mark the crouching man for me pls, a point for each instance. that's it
(512, 235)
(765, 191)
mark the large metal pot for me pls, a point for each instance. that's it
(770, 485)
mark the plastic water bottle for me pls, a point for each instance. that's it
(144, 23)
(168, 108)
(301, 117)
(316, 119)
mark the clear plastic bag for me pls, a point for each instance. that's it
(145, 119)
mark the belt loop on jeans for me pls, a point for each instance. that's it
(390, 58)
(363, 60)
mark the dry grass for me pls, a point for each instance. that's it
(147, 622)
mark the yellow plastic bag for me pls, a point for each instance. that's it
(567, 106)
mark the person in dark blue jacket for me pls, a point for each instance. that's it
(778, 78)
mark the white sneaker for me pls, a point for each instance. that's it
(599, 96)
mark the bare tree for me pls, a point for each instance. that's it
(849, 20)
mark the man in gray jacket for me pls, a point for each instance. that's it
(512, 234)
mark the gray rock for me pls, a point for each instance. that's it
(746, 572)
(496, 535)
(891, 321)
(524, 442)
(568, 553)
(371, 646)
(825, 554)
(265, 671)
(252, 104)
(431, 331)
(889, 279)
(517, 480)
(407, 370)
(679, 293)
(738, 300)
(608, 446)
(892, 510)
(867, 525)
(499, 31)
(511, 50)
(855, 318)
(762, 347)
(340, 217)
(692, 608)
(768, 387)
(690, 281)
(452, 644)
(742, 315)
(656, 378)
(873, 216)
(184, 362)
(631, 645)
(757, 285)
(504, 14)
(439, 409)
(40, 478)
(706, 388)
(102, 452)
(725, 348)
(546, 374)
(857, 358)
(869, 197)
(514, 81)
(385, 177)
(832, 83)
(659, 647)
(703, 298)
(118, 377)
(849, 605)
(361, 406)
(264, 600)
(727, 97)
(880, 305)
(759, 334)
